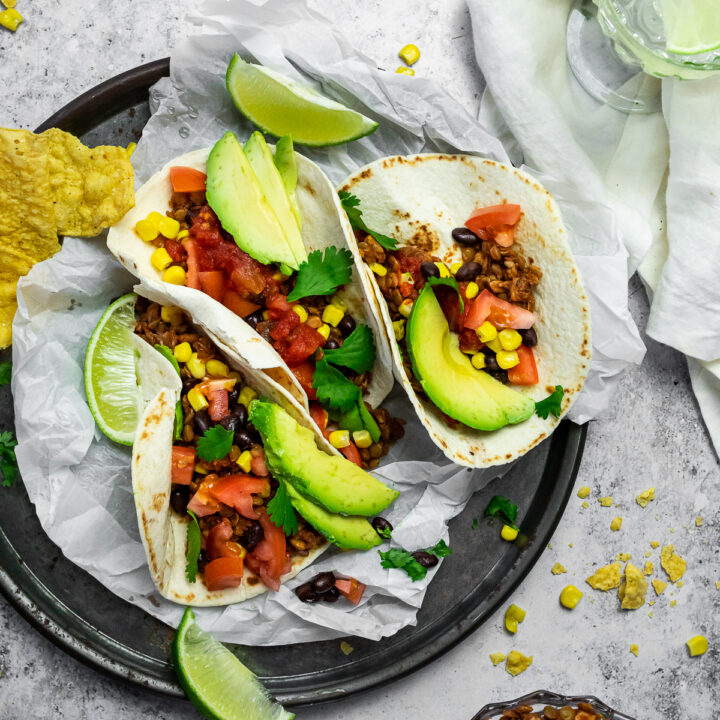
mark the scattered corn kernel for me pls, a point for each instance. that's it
(455, 267)
(507, 359)
(324, 330)
(402, 70)
(182, 352)
(570, 597)
(339, 438)
(346, 647)
(160, 259)
(174, 275)
(169, 227)
(634, 649)
(245, 461)
(697, 645)
(654, 544)
(196, 366)
(266, 314)
(172, 314)
(508, 533)
(471, 290)
(486, 332)
(130, 149)
(605, 501)
(616, 523)
(197, 400)
(698, 521)
(645, 497)
(362, 438)
(478, 361)
(513, 616)
(215, 368)
(155, 218)
(182, 235)
(510, 339)
(246, 396)
(301, 312)
(585, 504)
(442, 267)
(332, 315)
(558, 569)
(11, 19)
(378, 269)
(405, 307)
(399, 329)
(583, 492)
(410, 54)
(517, 663)
(146, 230)
(497, 658)
(673, 603)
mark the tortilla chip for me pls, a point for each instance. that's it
(93, 187)
(13, 264)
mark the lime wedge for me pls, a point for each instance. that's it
(216, 682)
(110, 379)
(692, 26)
(281, 106)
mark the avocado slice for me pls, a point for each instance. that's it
(446, 374)
(329, 480)
(284, 159)
(347, 532)
(261, 160)
(234, 193)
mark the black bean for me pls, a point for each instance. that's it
(490, 359)
(331, 595)
(189, 383)
(254, 318)
(499, 374)
(346, 325)
(323, 581)
(382, 527)
(253, 433)
(464, 236)
(243, 439)
(190, 215)
(252, 535)
(179, 498)
(468, 271)
(236, 419)
(426, 559)
(529, 337)
(331, 345)
(429, 269)
(306, 594)
(202, 422)
(234, 395)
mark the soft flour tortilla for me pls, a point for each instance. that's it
(163, 532)
(324, 224)
(419, 200)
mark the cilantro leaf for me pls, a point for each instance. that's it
(5, 372)
(215, 443)
(551, 404)
(334, 389)
(504, 508)
(8, 462)
(475, 524)
(320, 275)
(440, 550)
(282, 512)
(179, 421)
(403, 560)
(350, 205)
(451, 282)
(384, 532)
(356, 353)
(193, 547)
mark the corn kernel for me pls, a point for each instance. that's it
(405, 307)
(406, 277)
(362, 438)
(172, 314)
(216, 368)
(339, 302)
(301, 312)
(471, 290)
(583, 492)
(478, 361)
(339, 438)
(405, 71)
(508, 533)
(607, 502)
(246, 396)
(324, 330)
(154, 218)
(410, 54)
(486, 332)
(455, 267)
(202, 468)
(174, 275)
(235, 375)
(245, 461)
(197, 400)
(399, 329)
(507, 359)
(182, 235)
(697, 645)
(616, 523)
(510, 339)
(169, 227)
(378, 269)
(11, 19)
(242, 552)
(196, 367)
(266, 314)
(130, 149)
(442, 267)
(160, 259)
(182, 352)
(332, 315)
(513, 616)
(146, 230)
(278, 276)
(634, 649)
(570, 597)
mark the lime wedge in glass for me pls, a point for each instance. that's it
(110, 378)
(692, 26)
(281, 106)
(216, 682)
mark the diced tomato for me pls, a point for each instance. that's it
(183, 465)
(203, 502)
(493, 216)
(257, 462)
(175, 250)
(278, 305)
(219, 402)
(319, 414)
(224, 573)
(193, 272)
(500, 313)
(525, 372)
(303, 342)
(217, 539)
(352, 453)
(238, 305)
(505, 236)
(236, 491)
(350, 588)
(450, 304)
(186, 179)
(288, 322)
(270, 559)
(212, 283)
(410, 264)
(305, 372)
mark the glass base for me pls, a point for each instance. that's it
(600, 70)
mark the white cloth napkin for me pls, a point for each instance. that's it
(665, 226)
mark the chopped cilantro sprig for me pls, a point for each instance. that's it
(5, 372)
(403, 560)
(356, 353)
(350, 205)
(504, 508)
(215, 443)
(282, 512)
(8, 461)
(551, 404)
(194, 537)
(333, 388)
(322, 275)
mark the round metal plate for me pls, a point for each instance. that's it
(89, 622)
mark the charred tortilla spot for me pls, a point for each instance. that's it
(252, 580)
(307, 186)
(425, 238)
(150, 549)
(157, 501)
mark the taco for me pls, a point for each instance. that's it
(256, 245)
(235, 489)
(480, 297)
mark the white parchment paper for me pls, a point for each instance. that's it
(80, 481)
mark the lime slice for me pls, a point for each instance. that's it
(110, 379)
(692, 26)
(281, 106)
(216, 682)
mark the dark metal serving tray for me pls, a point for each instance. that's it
(86, 620)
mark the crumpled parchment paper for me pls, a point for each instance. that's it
(80, 481)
